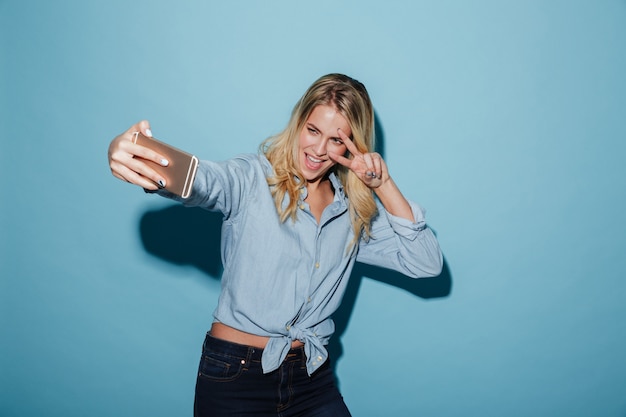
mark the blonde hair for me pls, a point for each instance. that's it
(350, 98)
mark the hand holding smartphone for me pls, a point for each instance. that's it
(180, 172)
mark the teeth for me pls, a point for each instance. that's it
(317, 161)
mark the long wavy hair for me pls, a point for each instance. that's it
(350, 98)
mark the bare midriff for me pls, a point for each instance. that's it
(224, 332)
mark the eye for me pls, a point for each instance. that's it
(312, 130)
(337, 141)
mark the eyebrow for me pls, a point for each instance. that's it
(310, 124)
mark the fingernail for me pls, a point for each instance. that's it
(162, 183)
(165, 162)
(149, 133)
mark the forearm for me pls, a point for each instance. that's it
(393, 200)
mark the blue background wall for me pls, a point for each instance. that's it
(506, 120)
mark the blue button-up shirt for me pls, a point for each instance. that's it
(285, 280)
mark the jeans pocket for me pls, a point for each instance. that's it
(220, 367)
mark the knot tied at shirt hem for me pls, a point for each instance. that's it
(278, 347)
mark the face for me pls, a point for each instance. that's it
(319, 136)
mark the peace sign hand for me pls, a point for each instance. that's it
(369, 167)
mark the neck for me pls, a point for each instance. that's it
(314, 186)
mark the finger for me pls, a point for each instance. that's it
(340, 159)
(375, 165)
(367, 159)
(127, 143)
(123, 151)
(139, 173)
(133, 177)
(378, 164)
(348, 142)
(369, 163)
(146, 153)
(139, 166)
(143, 126)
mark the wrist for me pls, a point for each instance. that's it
(386, 186)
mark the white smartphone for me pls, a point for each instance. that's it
(180, 172)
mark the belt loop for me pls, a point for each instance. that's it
(254, 354)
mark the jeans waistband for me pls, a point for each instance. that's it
(251, 353)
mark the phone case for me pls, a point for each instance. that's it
(180, 172)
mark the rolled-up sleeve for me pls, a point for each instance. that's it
(410, 248)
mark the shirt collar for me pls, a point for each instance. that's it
(337, 185)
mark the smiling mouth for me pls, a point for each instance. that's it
(314, 160)
(312, 163)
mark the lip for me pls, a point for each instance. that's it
(313, 163)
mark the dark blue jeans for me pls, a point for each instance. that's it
(231, 383)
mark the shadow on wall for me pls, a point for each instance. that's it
(184, 236)
(425, 288)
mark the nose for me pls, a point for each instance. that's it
(320, 147)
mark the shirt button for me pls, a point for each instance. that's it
(288, 327)
(308, 300)
(301, 206)
(302, 190)
(319, 358)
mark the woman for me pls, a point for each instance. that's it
(296, 218)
